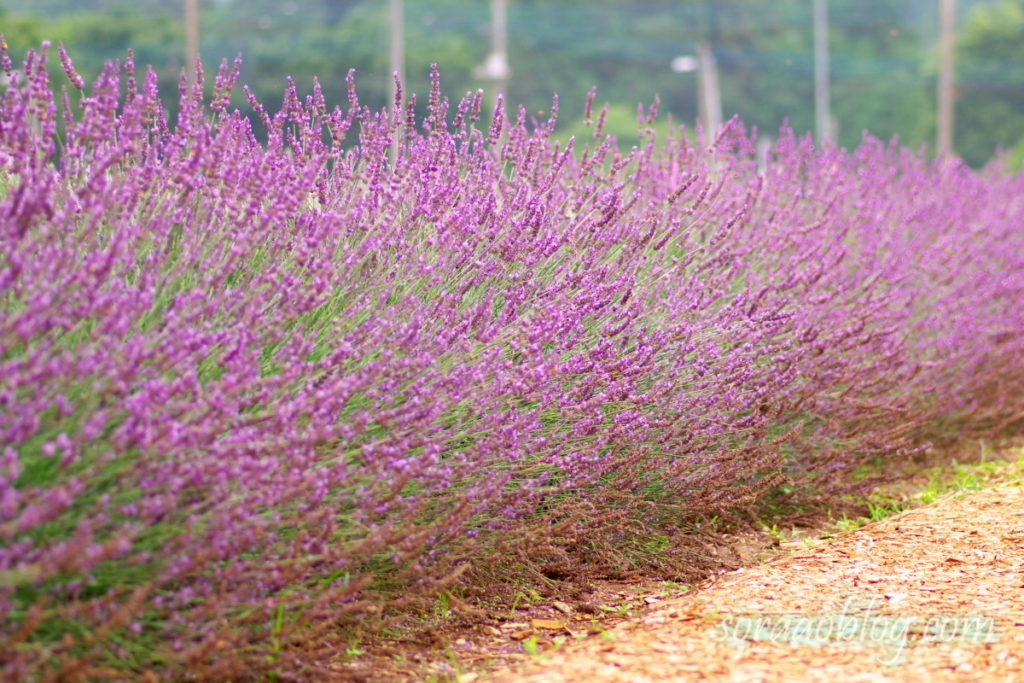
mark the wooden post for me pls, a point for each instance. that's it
(396, 59)
(191, 39)
(499, 46)
(710, 103)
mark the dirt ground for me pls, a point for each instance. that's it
(932, 594)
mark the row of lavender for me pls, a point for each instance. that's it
(246, 385)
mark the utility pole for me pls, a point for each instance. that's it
(397, 44)
(822, 115)
(397, 61)
(191, 39)
(709, 102)
(947, 35)
(496, 68)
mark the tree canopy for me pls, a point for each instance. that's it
(882, 55)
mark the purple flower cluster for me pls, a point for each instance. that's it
(245, 382)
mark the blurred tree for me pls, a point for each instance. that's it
(880, 65)
(94, 38)
(335, 10)
(328, 37)
(20, 31)
(990, 55)
(882, 76)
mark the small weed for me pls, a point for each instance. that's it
(845, 524)
(515, 604)
(624, 607)
(530, 596)
(352, 648)
(275, 629)
(942, 480)
(776, 533)
(880, 512)
(444, 605)
(673, 588)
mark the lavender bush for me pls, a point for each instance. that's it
(253, 391)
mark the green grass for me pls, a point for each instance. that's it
(917, 487)
(930, 485)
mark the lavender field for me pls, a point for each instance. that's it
(257, 393)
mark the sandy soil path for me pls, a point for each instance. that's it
(932, 594)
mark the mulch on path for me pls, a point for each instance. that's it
(932, 594)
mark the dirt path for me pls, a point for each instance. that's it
(932, 594)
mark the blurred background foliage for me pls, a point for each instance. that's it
(883, 56)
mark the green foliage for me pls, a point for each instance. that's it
(882, 56)
(991, 53)
(1016, 156)
(97, 37)
(944, 480)
(621, 122)
(21, 31)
